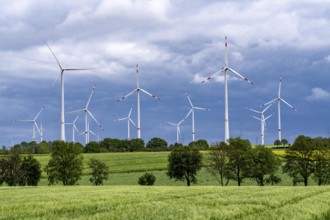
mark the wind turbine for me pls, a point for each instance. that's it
(74, 127)
(177, 129)
(192, 112)
(262, 120)
(129, 121)
(279, 99)
(88, 115)
(225, 69)
(34, 123)
(138, 90)
(62, 122)
(41, 131)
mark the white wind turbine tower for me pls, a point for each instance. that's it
(34, 123)
(41, 131)
(178, 133)
(138, 90)
(192, 112)
(62, 122)
(262, 120)
(279, 99)
(129, 121)
(88, 115)
(225, 69)
(74, 127)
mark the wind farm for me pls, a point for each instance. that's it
(174, 57)
(89, 116)
(183, 97)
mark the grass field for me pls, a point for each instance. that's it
(126, 168)
(139, 202)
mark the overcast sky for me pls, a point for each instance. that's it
(176, 44)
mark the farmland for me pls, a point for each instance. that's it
(125, 169)
(122, 198)
(164, 202)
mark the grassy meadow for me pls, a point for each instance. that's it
(164, 202)
(126, 168)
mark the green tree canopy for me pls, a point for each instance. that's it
(299, 160)
(99, 171)
(263, 162)
(183, 164)
(219, 160)
(238, 153)
(157, 144)
(65, 164)
(200, 144)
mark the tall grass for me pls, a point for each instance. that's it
(142, 202)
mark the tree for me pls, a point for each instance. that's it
(11, 172)
(200, 144)
(31, 170)
(219, 160)
(147, 179)
(277, 143)
(136, 144)
(183, 164)
(92, 147)
(284, 142)
(299, 160)
(238, 150)
(65, 164)
(44, 147)
(322, 167)
(157, 144)
(100, 171)
(263, 162)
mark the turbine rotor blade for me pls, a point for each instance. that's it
(132, 121)
(233, 71)
(75, 69)
(288, 104)
(171, 123)
(90, 97)
(254, 111)
(124, 97)
(199, 108)
(190, 101)
(43, 107)
(54, 57)
(188, 114)
(91, 115)
(80, 110)
(144, 91)
(216, 73)
(270, 102)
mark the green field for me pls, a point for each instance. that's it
(126, 168)
(164, 202)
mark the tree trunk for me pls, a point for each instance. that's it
(306, 181)
(188, 181)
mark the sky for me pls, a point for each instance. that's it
(176, 44)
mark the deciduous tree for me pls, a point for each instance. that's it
(299, 160)
(263, 162)
(238, 153)
(65, 164)
(100, 171)
(219, 160)
(183, 164)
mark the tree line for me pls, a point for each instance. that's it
(236, 161)
(106, 145)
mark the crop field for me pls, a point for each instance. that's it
(164, 202)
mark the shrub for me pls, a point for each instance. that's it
(147, 179)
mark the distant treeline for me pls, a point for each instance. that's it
(106, 145)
